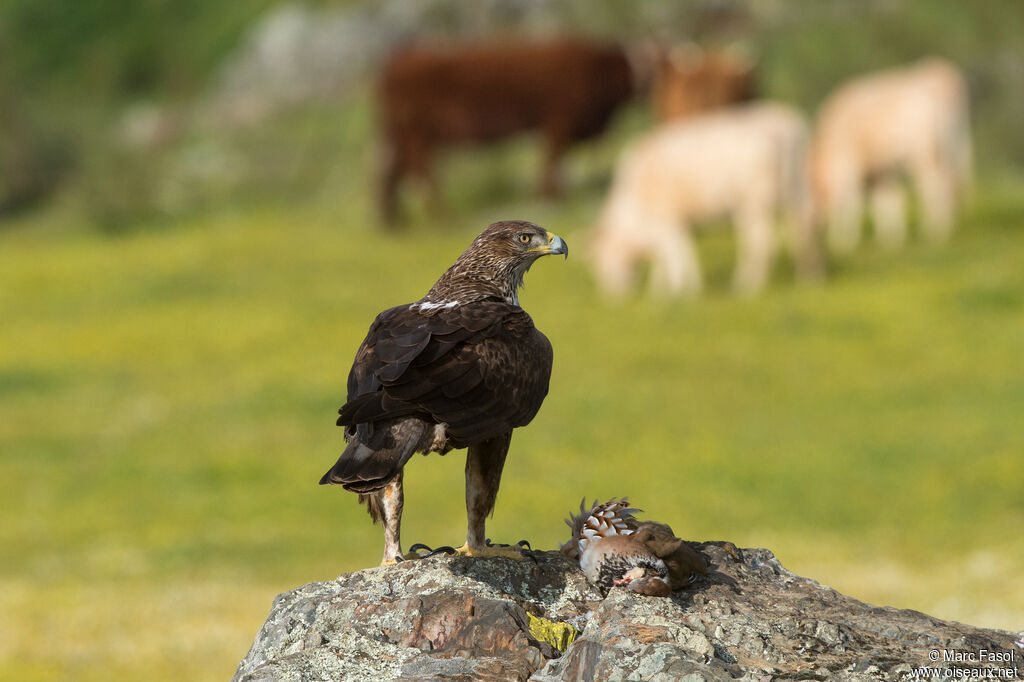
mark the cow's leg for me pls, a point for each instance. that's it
(935, 188)
(755, 242)
(889, 214)
(675, 268)
(798, 212)
(432, 189)
(551, 180)
(613, 268)
(420, 163)
(807, 255)
(390, 169)
(844, 214)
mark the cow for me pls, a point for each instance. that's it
(689, 79)
(747, 163)
(432, 98)
(909, 121)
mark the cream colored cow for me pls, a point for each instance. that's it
(745, 163)
(875, 130)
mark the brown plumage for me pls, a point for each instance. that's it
(683, 562)
(621, 560)
(460, 368)
(613, 548)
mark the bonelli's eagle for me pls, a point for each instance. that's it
(460, 368)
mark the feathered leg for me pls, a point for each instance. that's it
(484, 462)
(389, 502)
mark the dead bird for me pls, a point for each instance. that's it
(614, 548)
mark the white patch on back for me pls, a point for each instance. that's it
(426, 305)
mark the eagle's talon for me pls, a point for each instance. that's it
(444, 549)
(422, 551)
(488, 543)
(525, 544)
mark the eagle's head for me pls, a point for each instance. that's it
(494, 264)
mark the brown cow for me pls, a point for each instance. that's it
(689, 80)
(432, 98)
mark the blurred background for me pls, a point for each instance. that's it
(192, 248)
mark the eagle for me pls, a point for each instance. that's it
(460, 368)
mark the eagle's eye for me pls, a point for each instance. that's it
(524, 238)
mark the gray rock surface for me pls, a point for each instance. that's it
(456, 618)
(298, 52)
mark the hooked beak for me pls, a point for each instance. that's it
(555, 245)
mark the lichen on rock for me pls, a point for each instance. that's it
(463, 618)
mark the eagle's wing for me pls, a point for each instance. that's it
(480, 368)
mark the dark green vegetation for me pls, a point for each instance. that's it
(69, 74)
(168, 395)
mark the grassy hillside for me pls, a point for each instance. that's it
(168, 402)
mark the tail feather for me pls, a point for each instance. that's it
(614, 517)
(365, 467)
(368, 409)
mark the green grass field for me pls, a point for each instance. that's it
(168, 401)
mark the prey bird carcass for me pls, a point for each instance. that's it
(615, 549)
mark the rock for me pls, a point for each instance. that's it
(297, 52)
(470, 619)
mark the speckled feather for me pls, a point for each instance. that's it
(598, 520)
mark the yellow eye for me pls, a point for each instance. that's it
(524, 238)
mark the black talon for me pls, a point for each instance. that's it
(398, 557)
(418, 546)
(524, 543)
(444, 549)
(488, 543)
